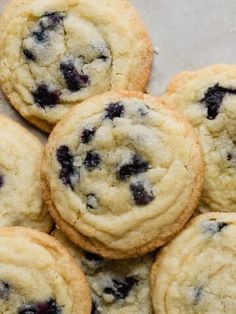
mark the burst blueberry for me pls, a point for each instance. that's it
(140, 195)
(65, 159)
(114, 110)
(87, 135)
(4, 290)
(48, 307)
(29, 54)
(92, 160)
(121, 288)
(75, 81)
(213, 99)
(45, 97)
(136, 166)
(212, 227)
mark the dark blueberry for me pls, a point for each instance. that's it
(65, 159)
(93, 257)
(114, 110)
(87, 135)
(49, 307)
(197, 294)
(74, 80)
(95, 308)
(43, 97)
(29, 54)
(213, 99)
(4, 290)
(1, 181)
(121, 287)
(140, 195)
(49, 21)
(91, 201)
(40, 35)
(135, 166)
(103, 58)
(229, 156)
(214, 227)
(92, 160)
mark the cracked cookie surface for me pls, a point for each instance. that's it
(56, 54)
(21, 201)
(109, 167)
(118, 287)
(207, 97)
(195, 272)
(38, 276)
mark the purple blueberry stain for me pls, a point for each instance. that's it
(114, 110)
(48, 307)
(92, 160)
(45, 97)
(213, 99)
(67, 171)
(51, 20)
(120, 288)
(75, 81)
(141, 196)
(136, 166)
(87, 135)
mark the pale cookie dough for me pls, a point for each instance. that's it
(21, 202)
(195, 273)
(207, 97)
(118, 287)
(122, 174)
(38, 276)
(55, 54)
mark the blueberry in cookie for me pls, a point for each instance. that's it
(56, 54)
(194, 273)
(38, 276)
(207, 97)
(21, 201)
(118, 287)
(108, 172)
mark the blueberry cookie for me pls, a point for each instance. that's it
(21, 201)
(109, 168)
(195, 273)
(118, 287)
(208, 98)
(55, 54)
(38, 276)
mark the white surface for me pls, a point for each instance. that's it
(188, 33)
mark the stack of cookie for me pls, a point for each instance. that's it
(122, 172)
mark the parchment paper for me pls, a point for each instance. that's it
(186, 34)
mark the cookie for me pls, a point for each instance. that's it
(195, 273)
(207, 97)
(21, 202)
(38, 276)
(55, 54)
(109, 167)
(118, 287)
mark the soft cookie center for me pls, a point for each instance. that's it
(108, 162)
